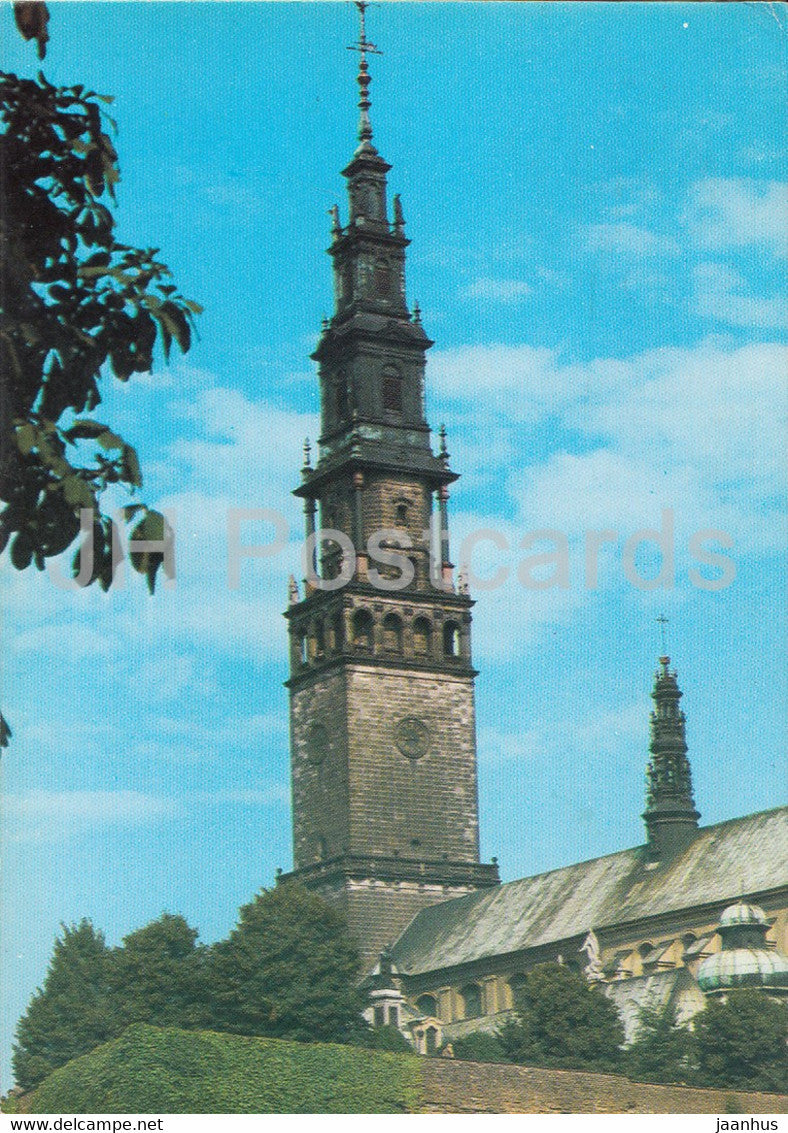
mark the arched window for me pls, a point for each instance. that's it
(319, 639)
(401, 515)
(338, 633)
(303, 649)
(422, 637)
(341, 396)
(392, 390)
(451, 639)
(362, 630)
(431, 1040)
(471, 996)
(392, 634)
(381, 279)
(428, 1005)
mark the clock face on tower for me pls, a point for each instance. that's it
(412, 737)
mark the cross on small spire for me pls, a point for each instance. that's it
(663, 621)
(363, 45)
(364, 48)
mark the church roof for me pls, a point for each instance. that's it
(749, 852)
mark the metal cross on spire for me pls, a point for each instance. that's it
(364, 48)
(663, 621)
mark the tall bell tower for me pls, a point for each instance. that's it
(383, 745)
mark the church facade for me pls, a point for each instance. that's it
(381, 686)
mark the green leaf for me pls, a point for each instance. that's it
(131, 467)
(109, 440)
(21, 551)
(77, 492)
(26, 438)
(85, 429)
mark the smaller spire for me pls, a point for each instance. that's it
(670, 816)
(364, 48)
(307, 468)
(443, 452)
(417, 314)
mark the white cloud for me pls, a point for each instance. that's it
(729, 213)
(671, 428)
(609, 733)
(51, 816)
(497, 290)
(275, 794)
(724, 294)
(515, 373)
(627, 239)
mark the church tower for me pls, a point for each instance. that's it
(670, 816)
(383, 747)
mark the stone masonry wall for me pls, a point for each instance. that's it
(377, 911)
(475, 1087)
(424, 807)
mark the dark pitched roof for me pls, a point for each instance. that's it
(748, 853)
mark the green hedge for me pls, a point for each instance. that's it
(164, 1070)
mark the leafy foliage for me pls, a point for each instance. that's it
(480, 1046)
(288, 970)
(158, 976)
(73, 1011)
(148, 1070)
(77, 304)
(383, 1038)
(662, 1049)
(743, 1043)
(563, 1021)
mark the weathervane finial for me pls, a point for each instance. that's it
(662, 622)
(364, 48)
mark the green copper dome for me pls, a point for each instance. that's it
(744, 960)
(742, 913)
(743, 967)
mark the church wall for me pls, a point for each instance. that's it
(656, 950)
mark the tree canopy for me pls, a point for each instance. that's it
(78, 305)
(288, 970)
(562, 1020)
(662, 1048)
(158, 975)
(743, 1042)
(72, 1012)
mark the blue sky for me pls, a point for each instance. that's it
(596, 196)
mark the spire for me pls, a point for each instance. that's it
(364, 48)
(670, 816)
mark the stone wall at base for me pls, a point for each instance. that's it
(478, 1087)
